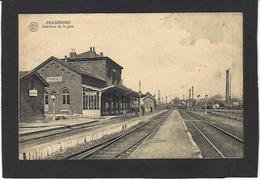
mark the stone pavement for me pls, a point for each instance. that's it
(172, 140)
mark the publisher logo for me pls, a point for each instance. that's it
(33, 26)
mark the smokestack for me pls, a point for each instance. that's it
(93, 48)
(90, 48)
(189, 93)
(101, 54)
(192, 92)
(227, 86)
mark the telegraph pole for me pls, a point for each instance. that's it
(139, 98)
(166, 102)
(206, 100)
(159, 100)
(162, 103)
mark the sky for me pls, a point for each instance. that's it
(169, 52)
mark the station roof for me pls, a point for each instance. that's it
(148, 95)
(120, 89)
(70, 66)
(28, 74)
(75, 59)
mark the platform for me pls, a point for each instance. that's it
(172, 140)
(34, 127)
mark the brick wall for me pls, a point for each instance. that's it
(113, 77)
(31, 108)
(70, 80)
(97, 67)
(103, 69)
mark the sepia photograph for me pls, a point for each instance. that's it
(96, 86)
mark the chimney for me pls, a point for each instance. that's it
(66, 59)
(73, 53)
(189, 93)
(101, 54)
(192, 92)
(227, 86)
(91, 53)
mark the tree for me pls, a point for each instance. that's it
(217, 97)
(176, 101)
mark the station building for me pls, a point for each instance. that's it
(85, 85)
(149, 102)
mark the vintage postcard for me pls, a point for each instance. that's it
(130, 86)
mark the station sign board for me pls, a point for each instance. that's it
(54, 79)
(33, 93)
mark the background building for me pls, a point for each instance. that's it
(149, 102)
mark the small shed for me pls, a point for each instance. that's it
(148, 101)
(32, 87)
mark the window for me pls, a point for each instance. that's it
(90, 99)
(46, 97)
(65, 96)
(91, 103)
(97, 100)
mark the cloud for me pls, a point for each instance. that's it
(217, 27)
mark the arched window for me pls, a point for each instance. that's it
(65, 96)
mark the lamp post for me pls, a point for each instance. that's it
(53, 97)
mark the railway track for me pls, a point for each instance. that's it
(233, 126)
(46, 135)
(214, 141)
(226, 114)
(52, 132)
(123, 144)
